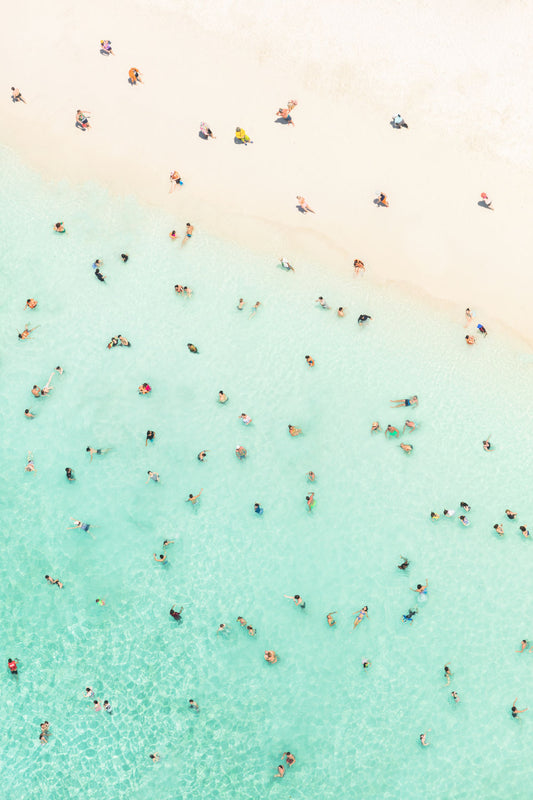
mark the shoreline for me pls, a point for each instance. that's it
(433, 243)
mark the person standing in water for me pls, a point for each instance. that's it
(298, 601)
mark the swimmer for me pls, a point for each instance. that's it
(222, 628)
(241, 304)
(251, 631)
(289, 758)
(112, 343)
(524, 531)
(194, 705)
(30, 466)
(464, 521)
(311, 477)
(410, 614)
(167, 542)
(30, 303)
(241, 621)
(222, 398)
(97, 706)
(523, 647)
(123, 341)
(42, 738)
(173, 235)
(311, 502)
(409, 424)
(153, 476)
(97, 264)
(194, 498)
(340, 311)
(88, 692)
(59, 227)
(245, 418)
(362, 319)
(358, 266)
(498, 528)
(188, 233)
(26, 332)
(47, 388)
(310, 361)
(54, 581)
(161, 558)
(150, 436)
(404, 564)
(294, 431)
(84, 526)
(258, 509)
(421, 590)
(447, 673)
(322, 302)
(144, 388)
(455, 696)
(187, 291)
(366, 663)
(59, 370)
(100, 601)
(36, 391)
(510, 514)
(407, 448)
(465, 506)
(202, 455)
(270, 656)
(487, 445)
(469, 317)
(281, 771)
(515, 711)
(448, 512)
(254, 309)
(100, 452)
(178, 288)
(124, 257)
(99, 275)
(107, 707)
(470, 339)
(240, 452)
(434, 516)
(70, 474)
(298, 601)
(155, 757)
(192, 348)
(423, 739)
(12, 665)
(375, 427)
(331, 621)
(27, 413)
(409, 401)
(284, 264)
(360, 616)
(392, 431)
(176, 614)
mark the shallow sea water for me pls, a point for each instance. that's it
(354, 733)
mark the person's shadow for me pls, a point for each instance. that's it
(105, 52)
(203, 136)
(484, 204)
(80, 126)
(301, 209)
(282, 121)
(379, 203)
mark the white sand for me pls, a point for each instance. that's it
(459, 73)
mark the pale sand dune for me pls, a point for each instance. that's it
(460, 75)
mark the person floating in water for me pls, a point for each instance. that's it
(202, 455)
(144, 388)
(245, 418)
(84, 526)
(409, 401)
(360, 616)
(270, 656)
(410, 614)
(310, 361)
(329, 617)
(176, 614)
(254, 309)
(322, 302)
(498, 527)
(94, 452)
(375, 427)
(294, 431)
(404, 564)
(240, 452)
(407, 448)
(510, 514)
(515, 711)
(26, 332)
(70, 474)
(434, 516)
(194, 498)
(524, 531)
(298, 601)
(161, 558)
(153, 476)
(311, 502)
(30, 466)
(54, 581)
(192, 348)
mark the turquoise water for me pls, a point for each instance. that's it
(354, 733)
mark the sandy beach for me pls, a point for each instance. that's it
(234, 66)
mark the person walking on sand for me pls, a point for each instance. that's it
(175, 180)
(16, 95)
(82, 119)
(134, 76)
(188, 233)
(303, 205)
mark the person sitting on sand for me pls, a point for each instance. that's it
(206, 130)
(383, 200)
(175, 180)
(303, 205)
(16, 95)
(134, 76)
(105, 45)
(284, 264)
(283, 113)
(82, 119)
(242, 136)
(399, 122)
